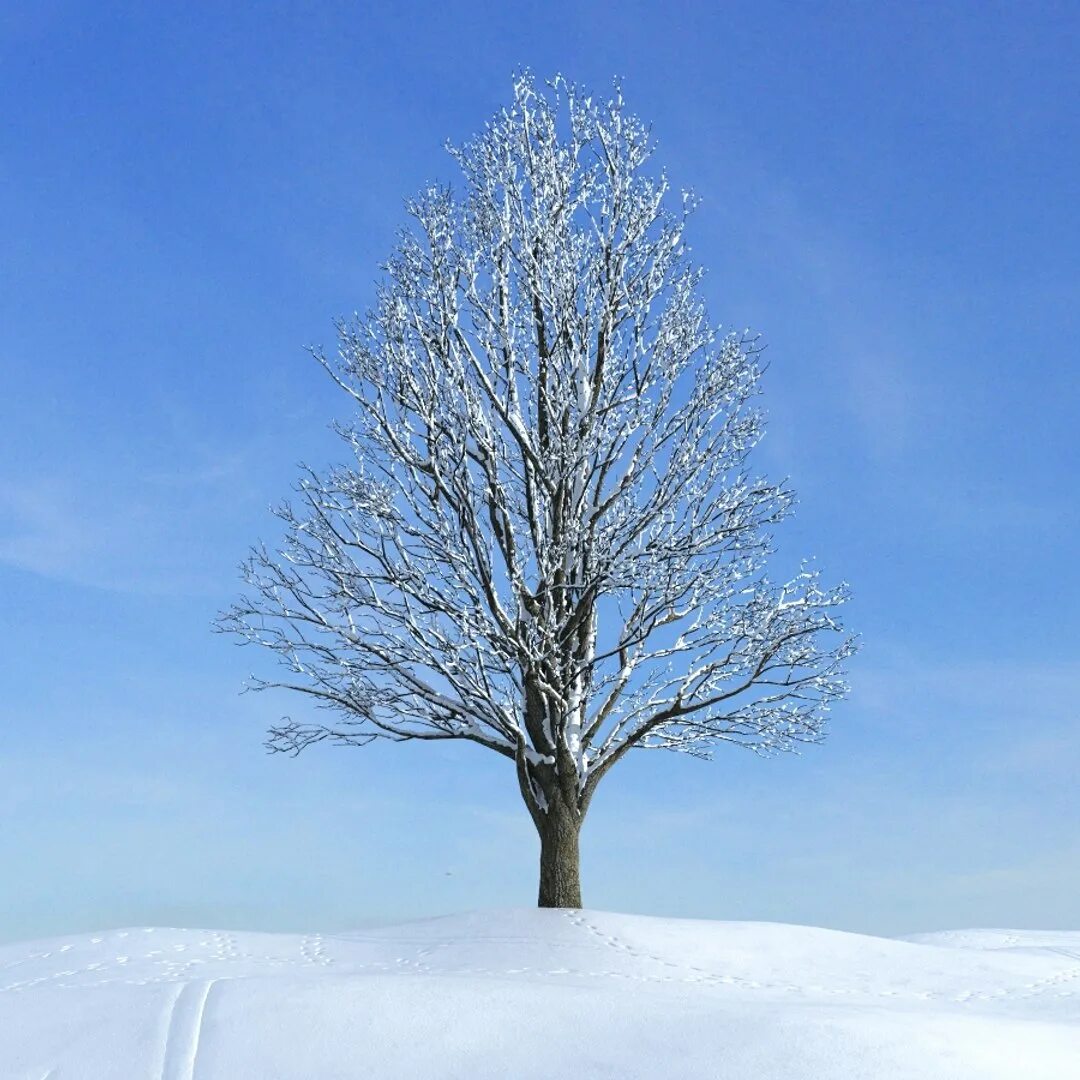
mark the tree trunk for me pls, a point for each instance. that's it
(560, 859)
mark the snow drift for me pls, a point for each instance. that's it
(517, 995)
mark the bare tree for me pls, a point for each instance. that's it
(547, 540)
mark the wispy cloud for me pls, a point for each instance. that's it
(857, 308)
(42, 530)
(135, 532)
(1001, 715)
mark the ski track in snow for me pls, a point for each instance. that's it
(185, 1030)
(980, 976)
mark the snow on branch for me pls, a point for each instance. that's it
(547, 538)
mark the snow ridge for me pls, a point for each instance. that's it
(540, 993)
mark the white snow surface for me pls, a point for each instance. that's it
(524, 994)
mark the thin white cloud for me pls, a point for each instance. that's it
(1004, 716)
(124, 533)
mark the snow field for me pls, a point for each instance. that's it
(517, 995)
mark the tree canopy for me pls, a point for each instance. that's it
(547, 537)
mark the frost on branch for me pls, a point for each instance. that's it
(547, 538)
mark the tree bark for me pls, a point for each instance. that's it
(560, 858)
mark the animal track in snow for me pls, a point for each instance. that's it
(313, 950)
(699, 974)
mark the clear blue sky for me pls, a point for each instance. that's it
(190, 193)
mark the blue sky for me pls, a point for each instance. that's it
(189, 195)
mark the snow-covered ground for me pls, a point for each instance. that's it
(516, 995)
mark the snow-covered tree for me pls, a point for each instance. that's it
(547, 539)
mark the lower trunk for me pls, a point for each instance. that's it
(560, 860)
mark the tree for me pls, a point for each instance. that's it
(547, 540)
